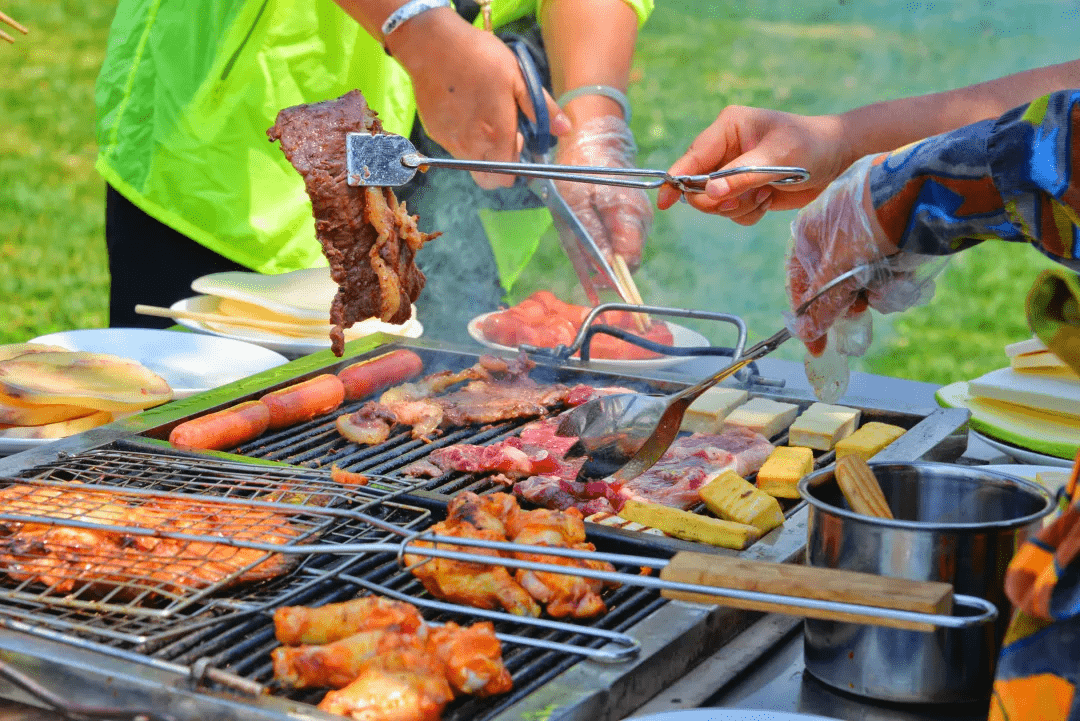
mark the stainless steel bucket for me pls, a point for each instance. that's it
(952, 523)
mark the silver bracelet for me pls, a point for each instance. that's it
(606, 90)
(407, 12)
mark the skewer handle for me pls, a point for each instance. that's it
(822, 584)
(223, 319)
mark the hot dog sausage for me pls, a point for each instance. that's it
(223, 430)
(303, 401)
(370, 376)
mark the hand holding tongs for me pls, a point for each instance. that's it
(391, 160)
(624, 435)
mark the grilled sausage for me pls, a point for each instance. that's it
(370, 376)
(303, 401)
(223, 430)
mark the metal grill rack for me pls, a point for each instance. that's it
(231, 632)
(210, 659)
(132, 611)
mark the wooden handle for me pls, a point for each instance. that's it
(861, 488)
(223, 319)
(823, 584)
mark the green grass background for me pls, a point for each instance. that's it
(694, 57)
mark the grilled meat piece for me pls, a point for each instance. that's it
(368, 237)
(563, 594)
(472, 584)
(473, 658)
(387, 656)
(297, 625)
(336, 664)
(104, 559)
(497, 390)
(406, 684)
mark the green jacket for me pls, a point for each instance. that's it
(188, 89)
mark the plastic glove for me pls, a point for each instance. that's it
(834, 234)
(617, 218)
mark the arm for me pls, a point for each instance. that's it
(467, 85)
(1014, 178)
(591, 42)
(828, 144)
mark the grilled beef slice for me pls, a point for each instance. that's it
(369, 238)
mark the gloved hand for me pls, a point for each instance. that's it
(832, 235)
(617, 218)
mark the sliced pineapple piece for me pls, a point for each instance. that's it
(733, 498)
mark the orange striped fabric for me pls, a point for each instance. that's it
(1039, 666)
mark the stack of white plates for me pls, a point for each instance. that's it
(288, 313)
(1029, 410)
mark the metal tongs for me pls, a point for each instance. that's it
(391, 160)
(625, 434)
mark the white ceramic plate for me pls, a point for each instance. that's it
(189, 362)
(729, 714)
(288, 345)
(682, 337)
(1022, 455)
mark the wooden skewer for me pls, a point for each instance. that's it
(641, 320)
(14, 23)
(225, 319)
(7, 37)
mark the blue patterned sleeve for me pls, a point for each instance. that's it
(1015, 178)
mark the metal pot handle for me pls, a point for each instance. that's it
(988, 613)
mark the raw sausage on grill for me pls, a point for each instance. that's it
(303, 401)
(371, 376)
(223, 430)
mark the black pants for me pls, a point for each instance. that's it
(150, 263)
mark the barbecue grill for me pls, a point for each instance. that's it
(204, 653)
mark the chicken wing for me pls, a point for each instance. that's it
(564, 594)
(473, 584)
(402, 685)
(337, 664)
(296, 625)
(473, 658)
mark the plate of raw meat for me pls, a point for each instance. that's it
(544, 321)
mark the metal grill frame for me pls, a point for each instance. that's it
(673, 636)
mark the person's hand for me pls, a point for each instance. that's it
(468, 89)
(13, 23)
(742, 136)
(835, 233)
(617, 218)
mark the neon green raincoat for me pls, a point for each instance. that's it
(188, 90)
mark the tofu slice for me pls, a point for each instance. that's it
(821, 425)
(783, 470)
(766, 416)
(707, 413)
(868, 440)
